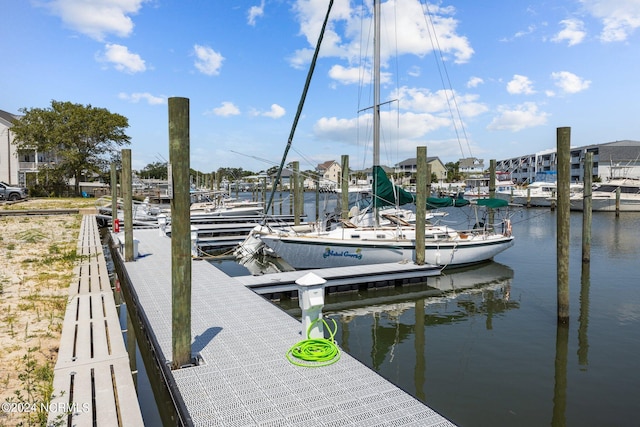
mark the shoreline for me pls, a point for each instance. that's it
(38, 254)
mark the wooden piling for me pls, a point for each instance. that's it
(114, 192)
(587, 208)
(617, 202)
(421, 204)
(564, 177)
(316, 183)
(180, 232)
(296, 192)
(492, 190)
(127, 202)
(344, 187)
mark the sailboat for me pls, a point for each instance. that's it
(392, 240)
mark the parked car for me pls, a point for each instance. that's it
(9, 192)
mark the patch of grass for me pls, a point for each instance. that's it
(31, 236)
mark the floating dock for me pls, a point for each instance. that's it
(241, 340)
(341, 279)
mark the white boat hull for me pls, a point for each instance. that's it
(608, 204)
(317, 251)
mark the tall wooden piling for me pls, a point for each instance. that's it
(127, 204)
(492, 189)
(617, 202)
(296, 193)
(586, 207)
(180, 232)
(563, 205)
(421, 203)
(114, 192)
(344, 187)
(316, 184)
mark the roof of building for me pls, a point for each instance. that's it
(470, 162)
(7, 118)
(326, 165)
(413, 161)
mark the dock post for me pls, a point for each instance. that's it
(563, 221)
(586, 208)
(296, 193)
(617, 202)
(127, 202)
(492, 189)
(421, 204)
(114, 192)
(316, 184)
(180, 232)
(429, 172)
(344, 186)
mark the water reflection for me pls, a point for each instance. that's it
(456, 296)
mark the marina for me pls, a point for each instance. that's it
(241, 340)
(486, 354)
(492, 354)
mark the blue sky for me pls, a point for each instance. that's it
(518, 71)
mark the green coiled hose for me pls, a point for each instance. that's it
(315, 352)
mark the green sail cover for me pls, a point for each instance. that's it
(443, 202)
(492, 203)
(386, 193)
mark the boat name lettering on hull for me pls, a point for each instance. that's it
(331, 253)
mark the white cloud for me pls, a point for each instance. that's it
(275, 112)
(349, 75)
(122, 59)
(226, 109)
(411, 129)
(521, 117)
(97, 18)
(573, 32)
(356, 75)
(620, 18)
(409, 31)
(569, 82)
(474, 82)
(255, 12)
(209, 61)
(520, 85)
(139, 96)
(440, 102)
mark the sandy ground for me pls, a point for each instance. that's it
(37, 258)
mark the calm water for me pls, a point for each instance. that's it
(492, 355)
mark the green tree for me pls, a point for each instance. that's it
(155, 170)
(453, 172)
(82, 139)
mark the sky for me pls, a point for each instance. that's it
(491, 80)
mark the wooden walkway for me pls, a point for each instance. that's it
(242, 340)
(92, 381)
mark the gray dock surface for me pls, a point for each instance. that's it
(245, 378)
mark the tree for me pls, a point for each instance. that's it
(82, 139)
(155, 170)
(453, 172)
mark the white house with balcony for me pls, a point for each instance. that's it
(9, 166)
(18, 167)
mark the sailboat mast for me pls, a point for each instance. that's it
(376, 102)
(376, 82)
